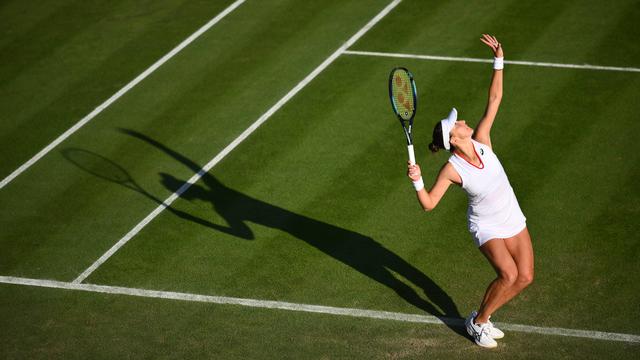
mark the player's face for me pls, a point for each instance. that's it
(461, 130)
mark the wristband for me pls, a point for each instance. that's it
(418, 184)
(498, 63)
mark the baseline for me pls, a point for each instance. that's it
(339, 311)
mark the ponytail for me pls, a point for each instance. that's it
(434, 148)
(437, 143)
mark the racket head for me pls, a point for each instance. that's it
(403, 94)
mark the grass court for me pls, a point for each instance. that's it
(313, 206)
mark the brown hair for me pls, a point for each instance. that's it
(437, 142)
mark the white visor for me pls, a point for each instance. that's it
(447, 125)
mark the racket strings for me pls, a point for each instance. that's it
(402, 94)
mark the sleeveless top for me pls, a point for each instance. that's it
(493, 210)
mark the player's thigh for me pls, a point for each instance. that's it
(498, 254)
(521, 250)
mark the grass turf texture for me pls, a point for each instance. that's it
(60, 60)
(75, 325)
(314, 207)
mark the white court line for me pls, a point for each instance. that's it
(234, 143)
(513, 62)
(117, 95)
(266, 304)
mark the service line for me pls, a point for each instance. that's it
(513, 62)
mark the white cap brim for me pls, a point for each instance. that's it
(447, 125)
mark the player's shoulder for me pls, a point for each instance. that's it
(448, 171)
(482, 142)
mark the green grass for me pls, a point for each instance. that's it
(61, 60)
(76, 325)
(314, 207)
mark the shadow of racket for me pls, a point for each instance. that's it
(106, 169)
(103, 168)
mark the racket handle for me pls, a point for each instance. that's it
(412, 156)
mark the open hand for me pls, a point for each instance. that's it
(493, 43)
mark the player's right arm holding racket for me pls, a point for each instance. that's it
(429, 199)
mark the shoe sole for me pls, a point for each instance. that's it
(486, 346)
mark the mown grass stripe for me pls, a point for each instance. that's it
(119, 94)
(136, 229)
(339, 311)
(513, 62)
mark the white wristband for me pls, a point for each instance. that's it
(498, 63)
(418, 184)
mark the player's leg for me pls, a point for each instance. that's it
(477, 324)
(498, 292)
(522, 252)
(519, 254)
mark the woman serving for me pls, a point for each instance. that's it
(495, 220)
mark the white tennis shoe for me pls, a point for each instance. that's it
(494, 332)
(480, 332)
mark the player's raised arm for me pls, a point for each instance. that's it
(483, 130)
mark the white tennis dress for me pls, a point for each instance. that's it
(493, 208)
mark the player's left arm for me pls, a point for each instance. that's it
(483, 129)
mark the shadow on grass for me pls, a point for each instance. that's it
(360, 252)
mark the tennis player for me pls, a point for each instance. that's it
(495, 220)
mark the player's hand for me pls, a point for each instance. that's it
(413, 171)
(493, 43)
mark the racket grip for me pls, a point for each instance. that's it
(412, 156)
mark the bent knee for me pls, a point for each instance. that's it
(509, 276)
(525, 278)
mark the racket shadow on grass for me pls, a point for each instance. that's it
(106, 169)
(358, 251)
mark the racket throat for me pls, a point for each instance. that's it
(407, 134)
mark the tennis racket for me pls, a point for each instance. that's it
(404, 100)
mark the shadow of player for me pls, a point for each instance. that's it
(358, 251)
